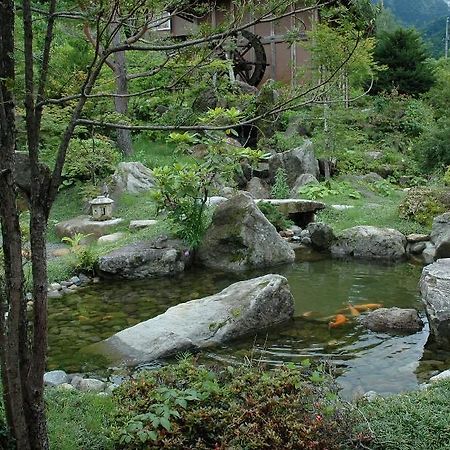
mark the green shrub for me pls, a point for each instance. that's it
(191, 407)
(422, 204)
(90, 159)
(446, 178)
(280, 189)
(433, 148)
(274, 216)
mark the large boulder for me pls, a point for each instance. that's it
(85, 225)
(435, 290)
(146, 259)
(367, 242)
(321, 235)
(240, 237)
(258, 188)
(393, 320)
(22, 172)
(132, 178)
(440, 235)
(240, 309)
(295, 162)
(302, 180)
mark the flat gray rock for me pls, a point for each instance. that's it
(145, 259)
(240, 309)
(85, 225)
(55, 378)
(288, 206)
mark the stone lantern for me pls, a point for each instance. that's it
(101, 208)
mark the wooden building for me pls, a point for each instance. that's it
(261, 51)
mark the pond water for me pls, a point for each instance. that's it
(321, 287)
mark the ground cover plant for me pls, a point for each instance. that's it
(193, 407)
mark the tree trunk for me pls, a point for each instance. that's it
(36, 412)
(13, 342)
(124, 141)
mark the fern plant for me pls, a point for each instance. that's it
(280, 188)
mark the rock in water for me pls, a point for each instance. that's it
(435, 289)
(240, 309)
(240, 237)
(368, 242)
(321, 235)
(440, 235)
(393, 320)
(145, 259)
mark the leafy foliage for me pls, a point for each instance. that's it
(183, 189)
(433, 148)
(191, 407)
(328, 189)
(280, 188)
(422, 204)
(274, 216)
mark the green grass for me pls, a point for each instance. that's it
(153, 154)
(68, 204)
(373, 207)
(60, 269)
(412, 421)
(78, 421)
(381, 213)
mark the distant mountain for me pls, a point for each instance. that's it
(418, 13)
(428, 16)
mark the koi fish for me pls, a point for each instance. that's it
(339, 320)
(367, 306)
(308, 314)
(353, 311)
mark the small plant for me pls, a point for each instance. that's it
(85, 256)
(329, 189)
(382, 187)
(274, 216)
(280, 189)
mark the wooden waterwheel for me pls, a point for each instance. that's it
(247, 54)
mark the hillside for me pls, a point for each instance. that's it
(418, 12)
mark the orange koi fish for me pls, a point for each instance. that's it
(339, 320)
(353, 311)
(367, 306)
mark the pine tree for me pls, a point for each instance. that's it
(405, 56)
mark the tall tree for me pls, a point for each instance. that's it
(405, 57)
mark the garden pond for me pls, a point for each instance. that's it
(321, 287)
